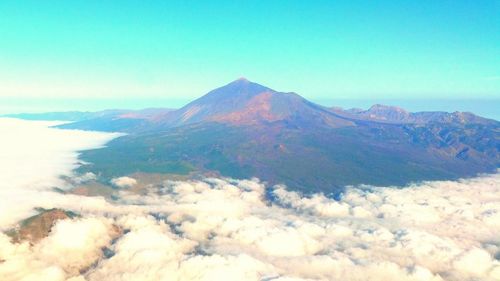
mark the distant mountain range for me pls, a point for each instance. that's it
(244, 129)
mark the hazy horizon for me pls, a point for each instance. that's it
(483, 107)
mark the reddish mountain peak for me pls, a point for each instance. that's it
(243, 102)
(233, 101)
(242, 79)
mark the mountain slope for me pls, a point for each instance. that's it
(244, 130)
(128, 121)
(242, 102)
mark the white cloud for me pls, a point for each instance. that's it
(124, 182)
(32, 159)
(475, 262)
(84, 178)
(72, 246)
(223, 229)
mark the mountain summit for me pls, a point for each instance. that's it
(243, 102)
(233, 101)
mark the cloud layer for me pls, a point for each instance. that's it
(225, 229)
(32, 157)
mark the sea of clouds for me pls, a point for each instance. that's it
(226, 229)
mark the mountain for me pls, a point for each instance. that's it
(108, 120)
(239, 103)
(37, 227)
(393, 114)
(378, 112)
(244, 130)
(242, 102)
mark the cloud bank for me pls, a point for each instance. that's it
(225, 229)
(33, 156)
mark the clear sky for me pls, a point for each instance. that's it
(179, 50)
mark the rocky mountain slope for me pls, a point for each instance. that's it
(245, 130)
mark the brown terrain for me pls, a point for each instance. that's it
(37, 227)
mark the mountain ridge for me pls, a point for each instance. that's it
(244, 130)
(267, 104)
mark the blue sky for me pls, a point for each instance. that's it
(178, 50)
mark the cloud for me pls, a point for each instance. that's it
(32, 159)
(226, 229)
(72, 246)
(84, 178)
(124, 182)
